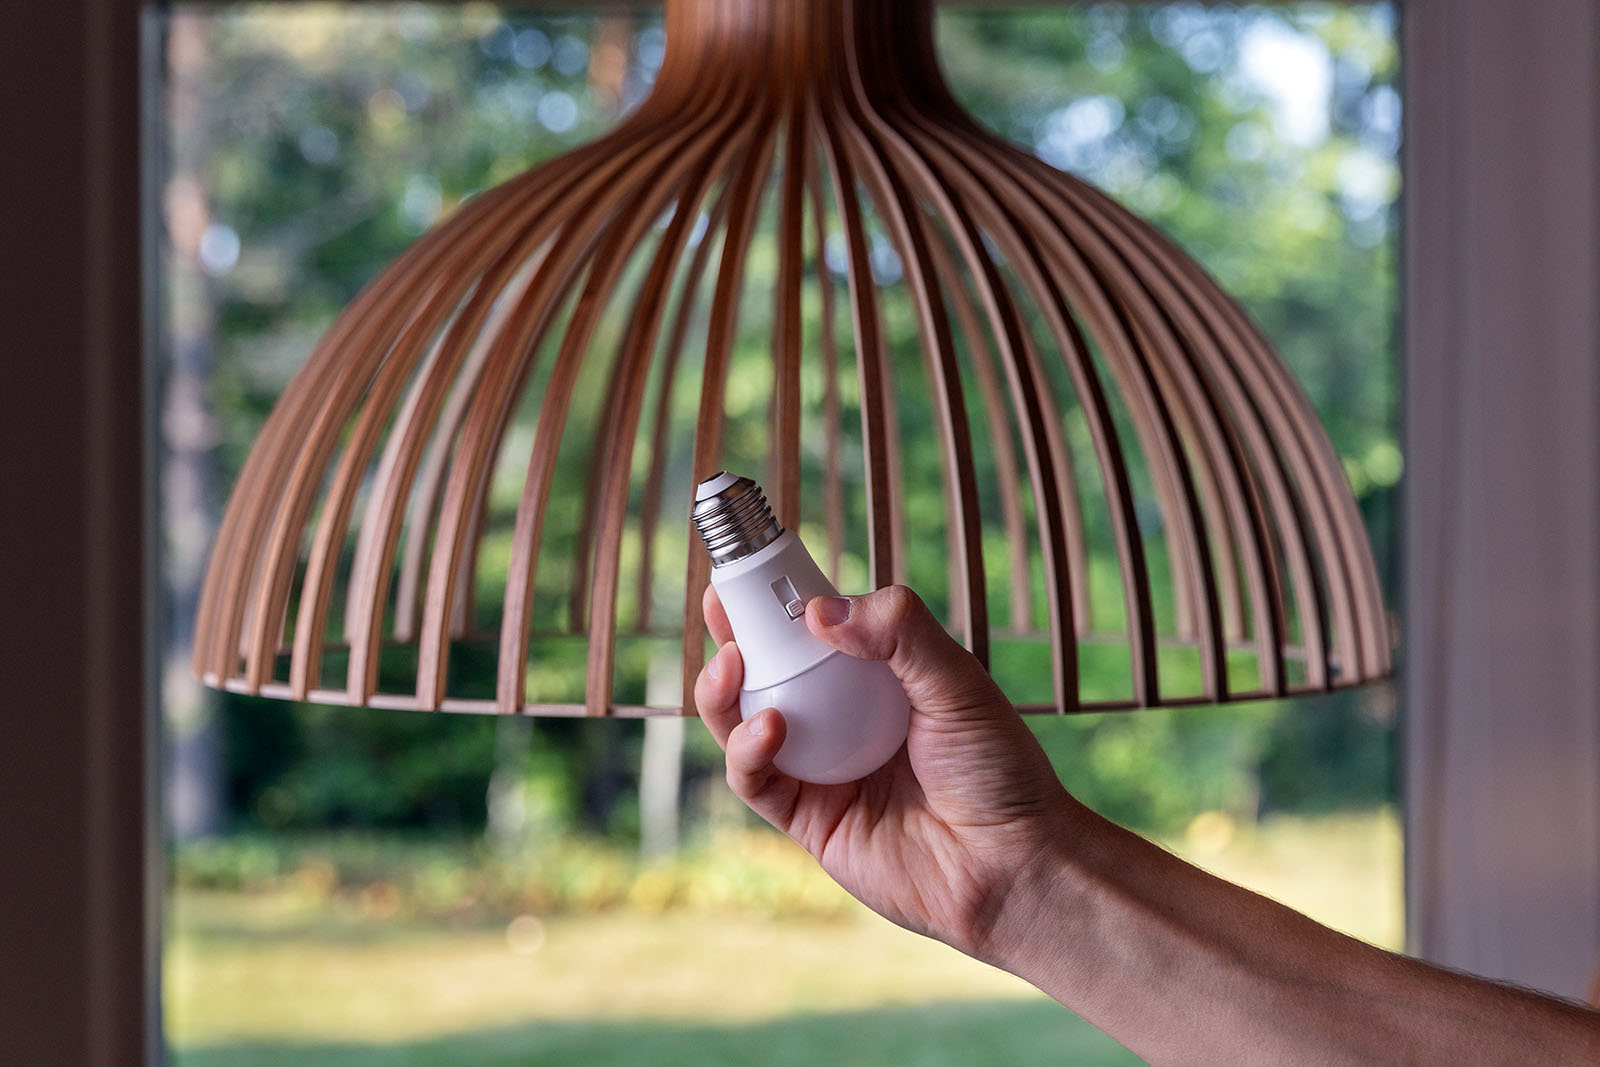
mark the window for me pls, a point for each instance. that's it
(465, 888)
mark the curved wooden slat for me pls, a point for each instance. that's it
(225, 594)
(632, 211)
(588, 214)
(1060, 184)
(1165, 454)
(234, 580)
(832, 490)
(650, 507)
(430, 476)
(876, 440)
(1028, 391)
(969, 598)
(1007, 473)
(1018, 355)
(874, 147)
(1208, 331)
(629, 397)
(1226, 471)
(1152, 412)
(783, 458)
(744, 203)
(373, 383)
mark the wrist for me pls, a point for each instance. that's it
(1045, 907)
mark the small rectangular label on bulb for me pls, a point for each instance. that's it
(784, 590)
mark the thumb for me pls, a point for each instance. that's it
(894, 624)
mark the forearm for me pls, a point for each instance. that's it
(1182, 966)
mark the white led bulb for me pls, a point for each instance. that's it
(846, 716)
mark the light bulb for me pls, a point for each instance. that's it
(846, 716)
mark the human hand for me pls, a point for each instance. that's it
(940, 838)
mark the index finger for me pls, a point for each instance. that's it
(716, 617)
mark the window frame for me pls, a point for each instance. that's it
(1500, 519)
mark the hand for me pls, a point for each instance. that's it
(941, 836)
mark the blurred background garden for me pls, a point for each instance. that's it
(375, 887)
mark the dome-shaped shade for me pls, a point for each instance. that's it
(476, 491)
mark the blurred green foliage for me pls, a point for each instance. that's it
(313, 766)
(332, 137)
(727, 872)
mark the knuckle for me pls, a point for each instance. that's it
(901, 604)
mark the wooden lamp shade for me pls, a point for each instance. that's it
(816, 135)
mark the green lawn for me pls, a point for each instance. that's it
(291, 976)
(263, 980)
(996, 1032)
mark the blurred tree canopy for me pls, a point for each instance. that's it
(1262, 139)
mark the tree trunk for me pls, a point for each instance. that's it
(661, 765)
(188, 475)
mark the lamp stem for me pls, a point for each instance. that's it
(813, 39)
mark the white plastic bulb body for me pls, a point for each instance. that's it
(845, 716)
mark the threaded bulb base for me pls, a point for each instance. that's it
(733, 518)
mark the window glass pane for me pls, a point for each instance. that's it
(440, 888)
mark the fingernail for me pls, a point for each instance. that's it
(713, 668)
(758, 724)
(832, 610)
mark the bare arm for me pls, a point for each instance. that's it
(968, 837)
(1184, 967)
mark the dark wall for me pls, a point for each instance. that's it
(74, 972)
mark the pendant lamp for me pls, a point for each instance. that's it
(1086, 384)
